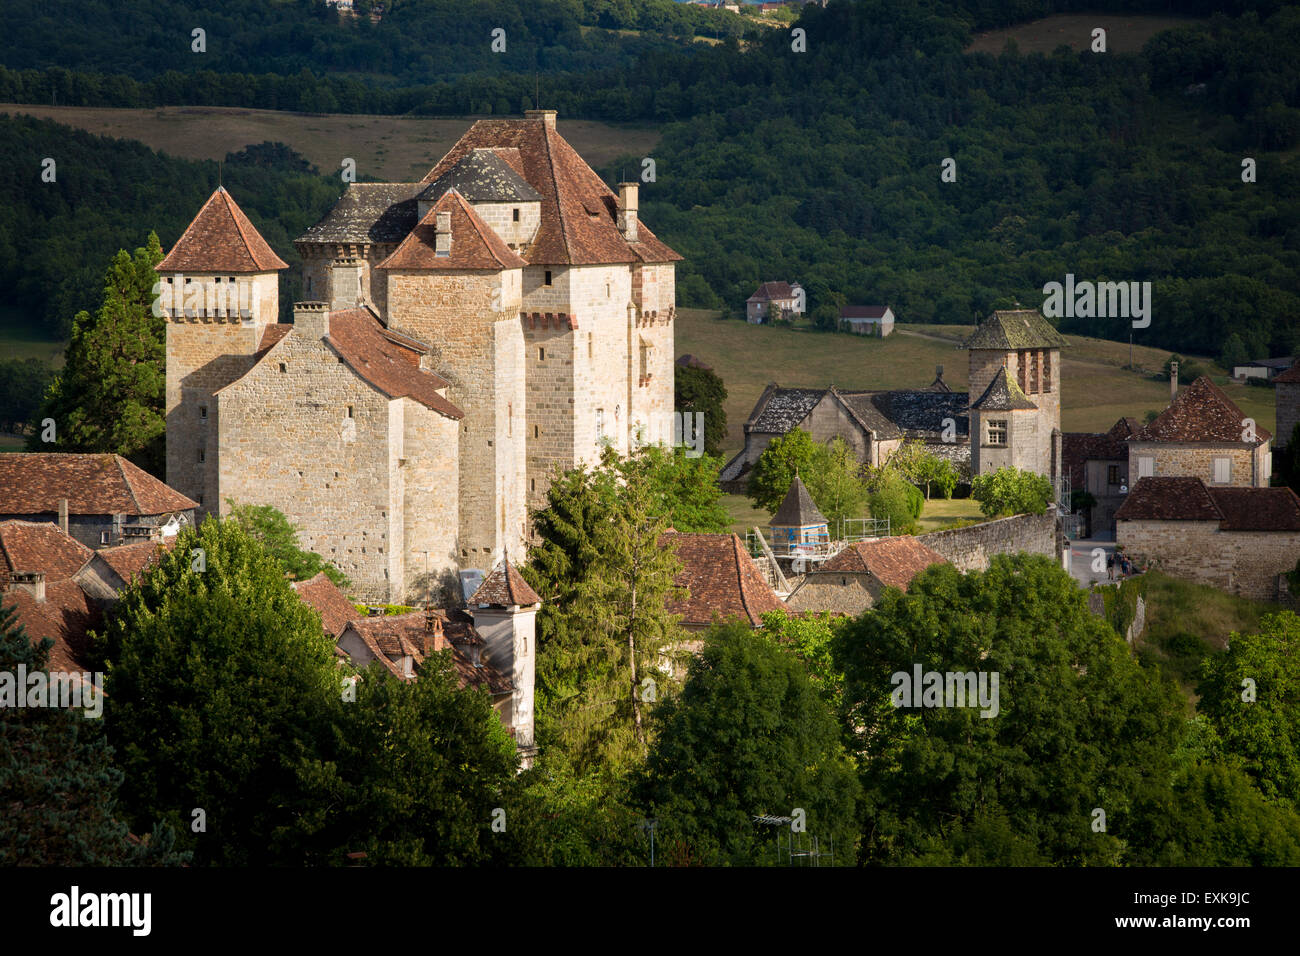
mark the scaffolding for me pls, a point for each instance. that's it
(798, 849)
(808, 555)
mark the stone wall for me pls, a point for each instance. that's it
(1245, 563)
(1250, 467)
(971, 548)
(429, 491)
(1287, 396)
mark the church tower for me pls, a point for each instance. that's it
(219, 293)
(1015, 390)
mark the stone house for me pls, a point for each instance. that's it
(853, 580)
(1239, 539)
(1266, 369)
(100, 500)
(1203, 434)
(719, 581)
(1098, 464)
(1286, 392)
(877, 320)
(507, 316)
(772, 301)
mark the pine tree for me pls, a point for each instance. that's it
(110, 396)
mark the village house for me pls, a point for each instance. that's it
(1266, 369)
(1097, 463)
(100, 500)
(853, 580)
(1239, 539)
(465, 337)
(1202, 434)
(877, 320)
(1286, 393)
(773, 301)
(719, 581)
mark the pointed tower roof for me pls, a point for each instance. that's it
(505, 587)
(1015, 329)
(1201, 412)
(221, 239)
(473, 243)
(798, 509)
(1003, 395)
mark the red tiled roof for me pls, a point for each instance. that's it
(1290, 376)
(1078, 448)
(473, 243)
(41, 546)
(391, 637)
(221, 239)
(129, 560)
(271, 335)
(1257, 509)
(369, 350)
(333, 606)
(772, 290)
(32, 483)
(505, 587)
(863, 311)
(894, 561)
(1201, 412)
(1169, 499)
(65, 617)
(578, 221)
(721, 578)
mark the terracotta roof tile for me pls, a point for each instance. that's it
(505, 587)
(474, 245)
(863, 311)
(332, 604)
(1078, 448)
(1290, 376)
(272, 335)
(721, 578)
(369, 350)
(41, 546)
(1257, 509)
(394, 636)
(1169, 499)
(772, 290)
(129, 560)
(33, 483)
(894, 561)
(1201, 412)
(65, 617)
(221, 239)
(578, 224)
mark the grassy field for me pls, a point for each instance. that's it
(1123, 34)
(391, 148)
(21, 337)
(1097, 388)
(937, 513)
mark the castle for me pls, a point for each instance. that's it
(467, 337)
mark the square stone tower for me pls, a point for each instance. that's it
(220, 296)
(1015, 388)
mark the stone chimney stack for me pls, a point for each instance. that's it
(33, 582)
(442, 234)
(311, 319)
(628, 204)
(63, 515)
(546, 116)
(345, 284)
(1173, 380)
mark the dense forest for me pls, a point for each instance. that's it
(1114, 166)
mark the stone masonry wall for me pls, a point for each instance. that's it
(1196, 460)
(972, 547)
(1287, 396)
(429, 483)
(1245, 563)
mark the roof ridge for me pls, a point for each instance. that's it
(231, 208)
(126, 479)
(555, 185)
(740, 577)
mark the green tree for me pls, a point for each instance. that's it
(749, 735)
(109, 397)
(700, 390)
(810, 637)
(834, 480)
(685, 489)
(270, 528)
(218, 676)
(892, 496)
(1010, 491)
(923, 468)
(784, 457)
(1234, 352)
(1078, 725)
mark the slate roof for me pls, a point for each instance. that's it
(376, 213)
(920, 412)
(863, 311)
(1200, 413)
(221, 239)
(504, 587)
(1003, 395)
(772, 290)
(797, 509)
(482, 176)
(780, 409)
(474, 245)
(894, 561)
(335, 610)
(1016, 329)
(34, 482)
(1169, 499)
(41, 546)
(379, 358)
(863, 407)
(1291, 375)
(914, 413)
(721, 580)
(1078, 448)
(578, 211)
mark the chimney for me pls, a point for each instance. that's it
(33, 582)
(1173, 380)
(938, 373)
(63, 515)
(628, 195)
(345, 284)
(546, 116)
(312, 319)
(442, 234)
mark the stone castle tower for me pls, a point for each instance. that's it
(1015, 390)
(469, 335)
